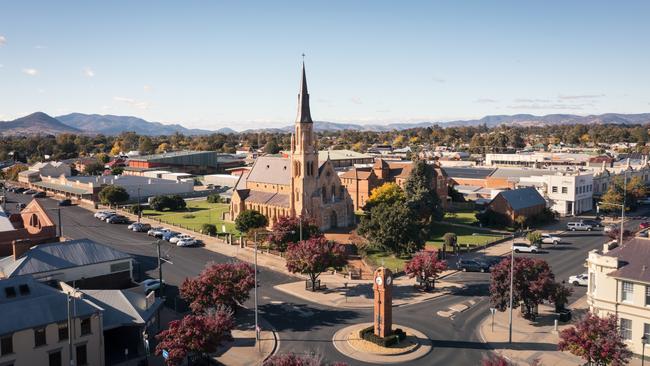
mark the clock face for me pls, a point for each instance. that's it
(389, 280)
(379, 281)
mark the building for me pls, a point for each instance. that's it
(33, 224)
(567, 193)
(36, 329)
(194, 162)
(619, 283)
(221, 180)
(83, 262)
(87, 188)
(301, 184)
(360, 181)
(46, 169)
(344, 158)
(522, 202)
(537, 159)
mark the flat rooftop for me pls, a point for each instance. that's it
(5, 224)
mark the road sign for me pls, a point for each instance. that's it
(165, 354)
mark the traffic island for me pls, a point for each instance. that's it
(348, 341)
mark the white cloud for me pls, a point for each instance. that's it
(581, 96)
(356, 100)
(40, 91)
(561, 106)
(528, 100)
(438, 80)
(40, 47)
(147, 88)
(30, 72)
(88, 72)
(132, 102)
(3, 40)
(486, 100)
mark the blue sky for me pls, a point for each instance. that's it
(211, 64)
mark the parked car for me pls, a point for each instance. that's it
(151, 284)
(39, 195)
(117, 219)
(153, 230)
(29, 192)
(579, 280)
(489, 261)
(645, 201)
(20, 206)
(65, 202)
(578, 226)
(470, 265)
(103, 215)
(593, 223)
(524, 248)
(643, 234)
(644, 225)
(160, 232)
(187, 243)
(609, 228)
(551, 239)
(139, 227)
(19, 190)
(179, 237)
(168, 236)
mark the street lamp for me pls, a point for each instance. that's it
(512, 270)
(644, 341)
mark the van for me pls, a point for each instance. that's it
(578, 226)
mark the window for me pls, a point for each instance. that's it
(63, 331)
(10, 292)
(23, 289)
(554, 189)
(626, 329)
(646, 331)
(82, 356)
(85, 326)
(565, 190)
(55, 358)
(6, 345)
(120, 267)
(39, 337)
(647, 295)
(592, 283)
(627, 289)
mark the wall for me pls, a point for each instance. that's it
(86, 272)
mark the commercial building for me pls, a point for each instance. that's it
(619, 284)
(37, 327)
(537, 159)
(46, 169)
(32, 224)
(193, 162)
(568, 193)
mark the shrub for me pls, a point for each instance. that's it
(188, 216)
(214, 198)
(170, 202)
(368, 334)
(250, 219)
(208, 229)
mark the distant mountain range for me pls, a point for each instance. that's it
(41, 123)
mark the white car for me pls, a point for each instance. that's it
(524, 248)
(579, 280)
(159, 232)
(151, 284)
(186, 243)
(180, 237)
(551, 239)
(609, 228)
(104, 215)
(153, 230)
(98, 213)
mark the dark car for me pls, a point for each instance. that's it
(117, 219)
(39, 195)
(19, 190)
(65, 202)
(593, 223)
(470, 265)
(490, 261)
(20, 206)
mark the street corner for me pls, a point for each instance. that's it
(246, 349)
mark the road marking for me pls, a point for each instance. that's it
(275, 302)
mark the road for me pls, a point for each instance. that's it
(306, 327)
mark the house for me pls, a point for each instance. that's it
(522, 202)
(45, 169)
(619, 283)
(83, 263)
(33, 223)
(37, 327)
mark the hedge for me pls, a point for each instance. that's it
(368, 334)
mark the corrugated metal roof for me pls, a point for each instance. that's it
(468, 173)
(519, 172)
(122, 307)
(57, 256)
(5, 224)
(522, 198)
(633, 260)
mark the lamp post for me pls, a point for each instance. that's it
(644, 341)
(512, 270)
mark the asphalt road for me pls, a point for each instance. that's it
(307, 328)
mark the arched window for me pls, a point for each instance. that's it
(333, 192)
(324, 193)
(34, 221)
(341, 192)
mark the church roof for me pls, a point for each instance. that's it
(268, 198)
(304, 115)
(271, 170)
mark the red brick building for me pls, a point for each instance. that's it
(526, 202)
(33, 224)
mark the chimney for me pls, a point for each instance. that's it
(20, 247)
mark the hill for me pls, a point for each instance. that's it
(34, 124)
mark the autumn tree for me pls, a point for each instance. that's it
(94, 168)
(225, 284)
(532, 283)
(290, 230)
(250, 219)
(612, 200)
(314, 256)
(12, 172)
(596, 340)
(388, 193)
(393, 228)
(426, 266)
(559, 295)
(195, 335)
(291, 359)
(113, 195)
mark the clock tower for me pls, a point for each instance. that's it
(383, 284)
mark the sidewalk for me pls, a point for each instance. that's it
(244, 350)
(345, 293)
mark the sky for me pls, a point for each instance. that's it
(213, 64)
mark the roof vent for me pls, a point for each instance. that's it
(268, 166)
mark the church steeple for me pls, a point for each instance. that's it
(304, 115)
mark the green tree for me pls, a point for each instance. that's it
(214, 198)
(535, 238)
(271, 147)
(94, 168)
(394, 228)
(113, 195)
(208, 229)
(449, 240)
(420, 194)
(145, 145)
(250, 219)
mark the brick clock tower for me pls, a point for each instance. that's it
(383, 284)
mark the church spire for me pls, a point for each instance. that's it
(304, 115)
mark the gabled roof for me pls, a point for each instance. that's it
(58, 256)
(522, 198)
(271, 170)
(632, 260)
(122, 307)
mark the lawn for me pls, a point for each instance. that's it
(389, 261)
(198, 212)
(466, 217)
(466, 236)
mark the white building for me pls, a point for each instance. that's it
(567, 193)
(619, 283)
(537, 159)
(46, 169)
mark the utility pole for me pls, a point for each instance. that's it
(58, 213)
(139, 208)
(257, 332)
(70, 323)
(623, 205)
(160, 275)
(512, 270)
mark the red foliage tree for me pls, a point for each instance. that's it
(218, 284)
(195, 334)
(425, 265)
(314, 256)
(287, 230)
(290, 359)
(615, 233)
(597, 340)
(533, 282)
(499, 360)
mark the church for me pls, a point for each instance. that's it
(299, 185)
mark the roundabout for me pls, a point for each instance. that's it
(347, 341)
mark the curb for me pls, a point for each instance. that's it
(276, 345)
